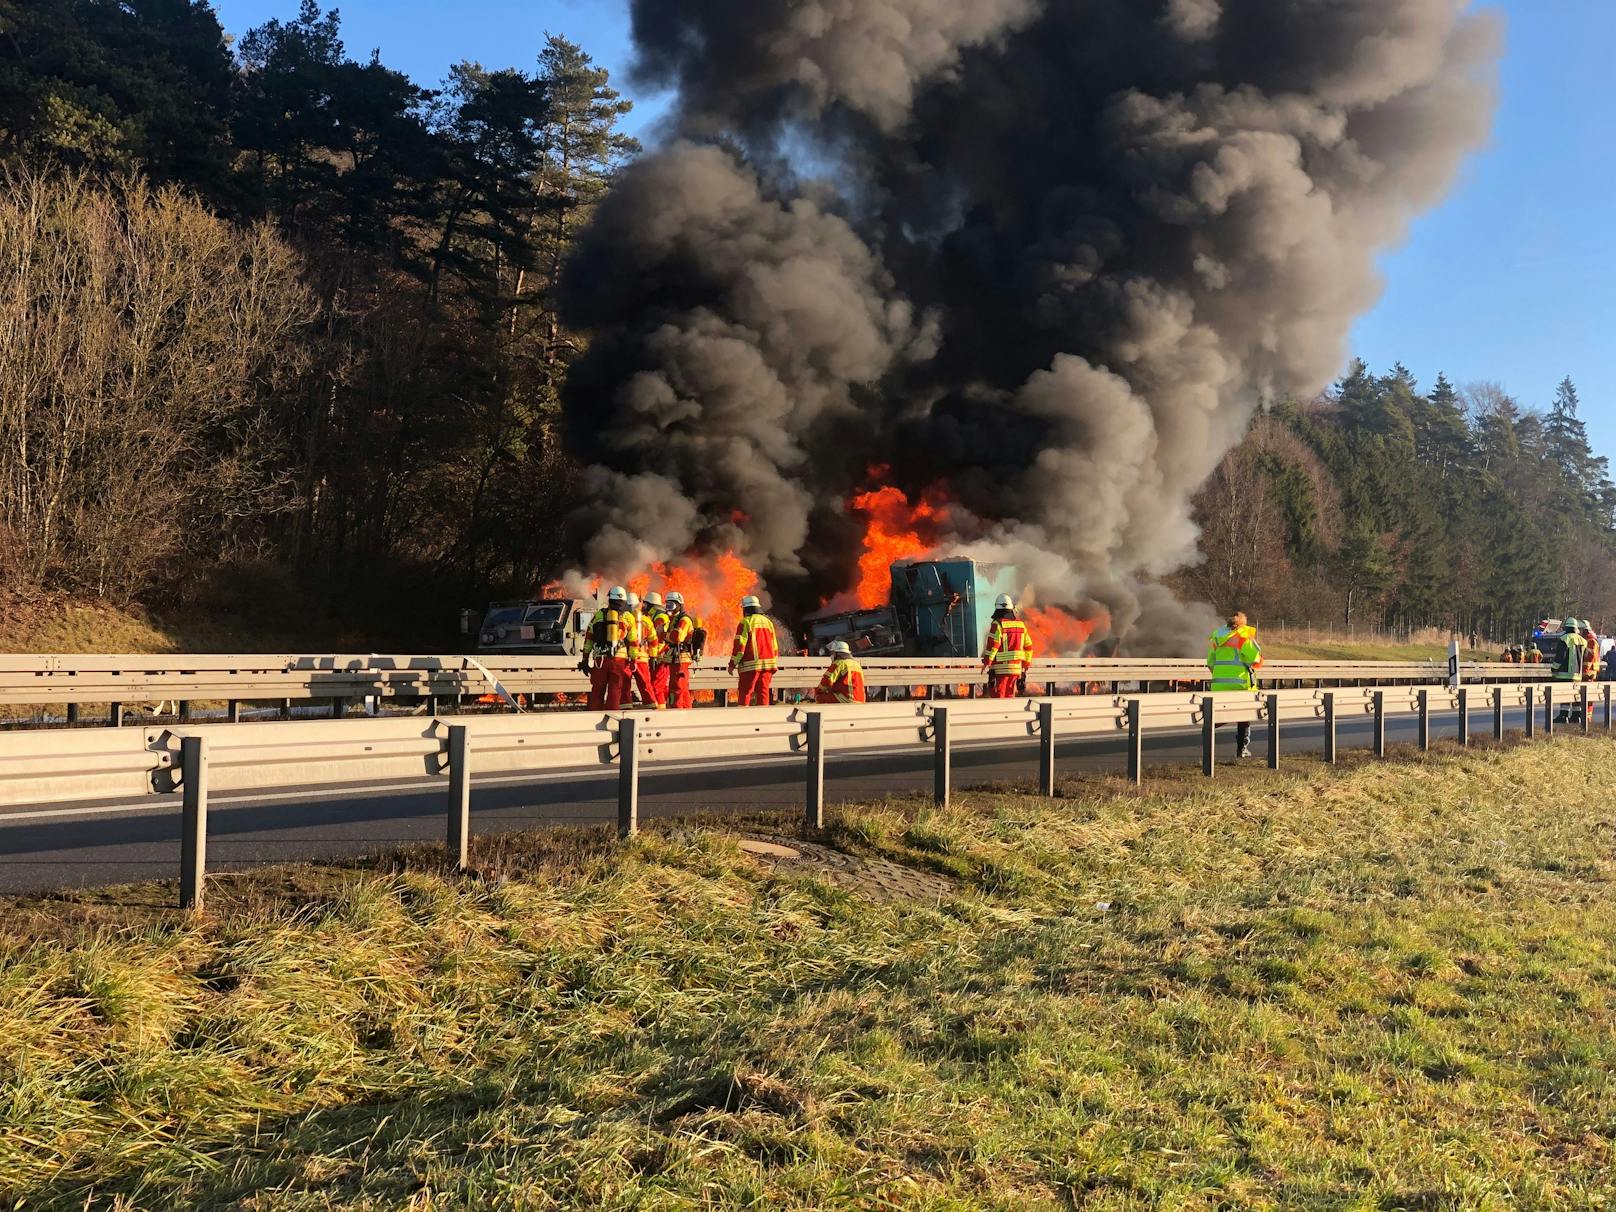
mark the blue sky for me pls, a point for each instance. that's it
(1512, 279)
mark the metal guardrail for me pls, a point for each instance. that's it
(115, 680)
(97, 765)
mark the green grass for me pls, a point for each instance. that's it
(1384, 987)
(1364, 650)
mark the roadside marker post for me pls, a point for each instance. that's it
(1136, 742)
(814, 724)
(1209, 737)
(943, 761)
(459, 796)
(194, 821)
(1329, 728)
(1046, 750)
(628, 777)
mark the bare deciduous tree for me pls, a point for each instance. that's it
(139, 337)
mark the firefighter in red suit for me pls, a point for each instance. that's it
(844, 680)
(608, 653)
(755, 655)
(1008, 654)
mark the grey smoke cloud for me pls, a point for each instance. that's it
(1059, 252)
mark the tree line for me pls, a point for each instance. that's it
(271, 307)
(1382, 504)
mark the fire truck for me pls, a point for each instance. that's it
(936, 608)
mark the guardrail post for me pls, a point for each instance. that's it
(1209, 736)
(194, 821)
(1136, 742)
(1548, 711)
(1464, 718)
(628, 777)
(1424, 698)
(115, 715)
(235, 711)
(1531, 712)
(72, 714)
(1498, 713)
(1329, 728)
(459, 796)
(1046, 750)
(1379, 698)
(1273, 732)
(815, 724)
(942, 767)
(1583, 701)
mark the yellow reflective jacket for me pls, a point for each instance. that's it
(1571, 669)
(756, 644)
(1234, 657)
(1009, 648)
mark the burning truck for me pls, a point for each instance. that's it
(936, 608)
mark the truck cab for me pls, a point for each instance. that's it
(547, 627)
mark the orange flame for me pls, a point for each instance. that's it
(1058, 633)
(713, 587)
(896, 529)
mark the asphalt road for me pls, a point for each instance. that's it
(53, 846)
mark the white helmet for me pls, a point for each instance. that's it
(749, 602)
(675, 598)
(1570, 625)
(840, 648)
(617, 594)
(633, 599)
(653, 598)
(1005, 602)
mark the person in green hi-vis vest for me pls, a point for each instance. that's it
(1234, 657)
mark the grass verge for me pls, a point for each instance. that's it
(1388, 986)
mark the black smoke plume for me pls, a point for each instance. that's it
(1051, 254)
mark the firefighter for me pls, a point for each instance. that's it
(607, 675)
(657, 615)
(1008, 653)
(640, 637)
(1590, 658)
(844, 680)
(1233, 657)
(755, 655)
(1571, 664)
(687, 636)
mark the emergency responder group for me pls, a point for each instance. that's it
(643, 650)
